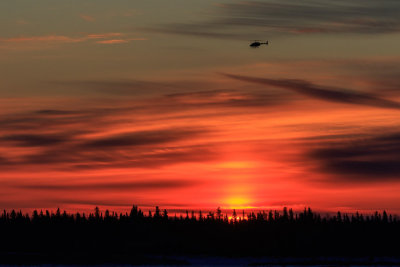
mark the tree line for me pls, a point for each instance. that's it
(104, 235)
(158, 215)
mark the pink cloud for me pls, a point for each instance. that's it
(104, 35)
(120, 41)
(87, 18)
(113, 41)
(46, 41)
(22, 22)
(45, 38)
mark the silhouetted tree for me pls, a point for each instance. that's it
(134, 212)
(187, 215)
(303, 233)
(291, 216)
(165, 214)
(219, 213)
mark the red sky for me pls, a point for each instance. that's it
(111, 105)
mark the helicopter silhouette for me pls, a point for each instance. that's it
(258, 43)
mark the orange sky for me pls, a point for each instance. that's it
(112, 106)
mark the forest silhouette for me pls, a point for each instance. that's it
(100, 237)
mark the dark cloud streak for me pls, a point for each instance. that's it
(202, 31)
(141, 149)
(293, 17)
(74, 138)
(142, 138)
(130, 185)
(373, 159)
(321, 92)
(35, 139)
(359, 16)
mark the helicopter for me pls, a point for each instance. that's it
(258, 43)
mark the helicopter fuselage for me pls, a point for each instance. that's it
(257, 44)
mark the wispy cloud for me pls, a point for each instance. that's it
(168, 94)
(142, 138)
(22, 22)
(46, 41)
(371, 159)
(119, 134)
(32, 140)
(320, 92)
(87, 18)
(113, 41)
(104, 35)
(110, 186)
(204, 31)
(43, 39)
(324, 16)
(82, 139)
(294, 17)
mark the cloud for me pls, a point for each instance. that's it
(46, 41)
(55, 112)
(372, 159)
(54, 120)
(160, 129)
(43, 39)
(320, 92)
(141, 138)
(111, 186)
(294, 17)
(34, 139)
(227, 98)
(4, 161)
(87, 18)
(74, 143)
(22, 22)
(172, 98)
(72, 159)
(360, 16)
(113, 41)
(104, 35)
(203, 31)
(124, 87)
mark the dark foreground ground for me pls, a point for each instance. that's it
(156, 239)
(16, 259)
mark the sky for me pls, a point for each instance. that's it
(114, 103)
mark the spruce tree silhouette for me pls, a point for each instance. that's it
(157, 214)
(165, 214)
(219, 213)
(234, 215)
(57, 236)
